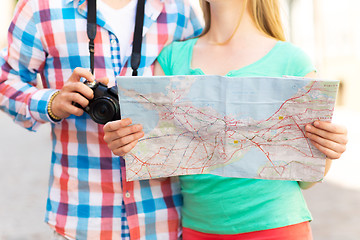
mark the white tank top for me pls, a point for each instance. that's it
(122, 22)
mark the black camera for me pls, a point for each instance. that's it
(104, 107)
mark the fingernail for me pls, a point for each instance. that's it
(316, 123)
(307, 127)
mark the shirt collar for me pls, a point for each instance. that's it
(153, 9)
(82, 1)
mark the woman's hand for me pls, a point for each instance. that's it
(121, 136)
(74, 91)
(329, 138)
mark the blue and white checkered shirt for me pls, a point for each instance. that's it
(88, 195)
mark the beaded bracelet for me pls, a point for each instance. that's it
(51, 114)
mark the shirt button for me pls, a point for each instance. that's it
(127, 195)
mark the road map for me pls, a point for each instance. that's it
(247, 127)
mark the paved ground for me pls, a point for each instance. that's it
(24, 168)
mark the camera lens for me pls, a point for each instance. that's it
(103, 110)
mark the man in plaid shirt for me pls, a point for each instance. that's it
(88, 195)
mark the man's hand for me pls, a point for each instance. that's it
(121, 136)
(74, 91)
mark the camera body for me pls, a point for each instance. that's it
(104, 107)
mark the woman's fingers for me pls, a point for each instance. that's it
(331, 127)
(333, 146)
(329, 138)
(328, 152)
(328, 131)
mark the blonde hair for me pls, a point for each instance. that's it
(264, 13)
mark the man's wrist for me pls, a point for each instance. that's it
(49, 107)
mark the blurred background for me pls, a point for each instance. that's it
(328, 30)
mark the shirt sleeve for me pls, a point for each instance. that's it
(194, 25)
(19, 65)
(164, 59)
(300, 64)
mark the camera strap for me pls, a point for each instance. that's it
(136, 50)
(91, 30)
(137, 42)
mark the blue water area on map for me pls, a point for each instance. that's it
(256, 98)
(138, 114)
(247, 166)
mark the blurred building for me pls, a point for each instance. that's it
(329, 31)
(6, 12)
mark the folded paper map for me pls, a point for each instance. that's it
(246, 127)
